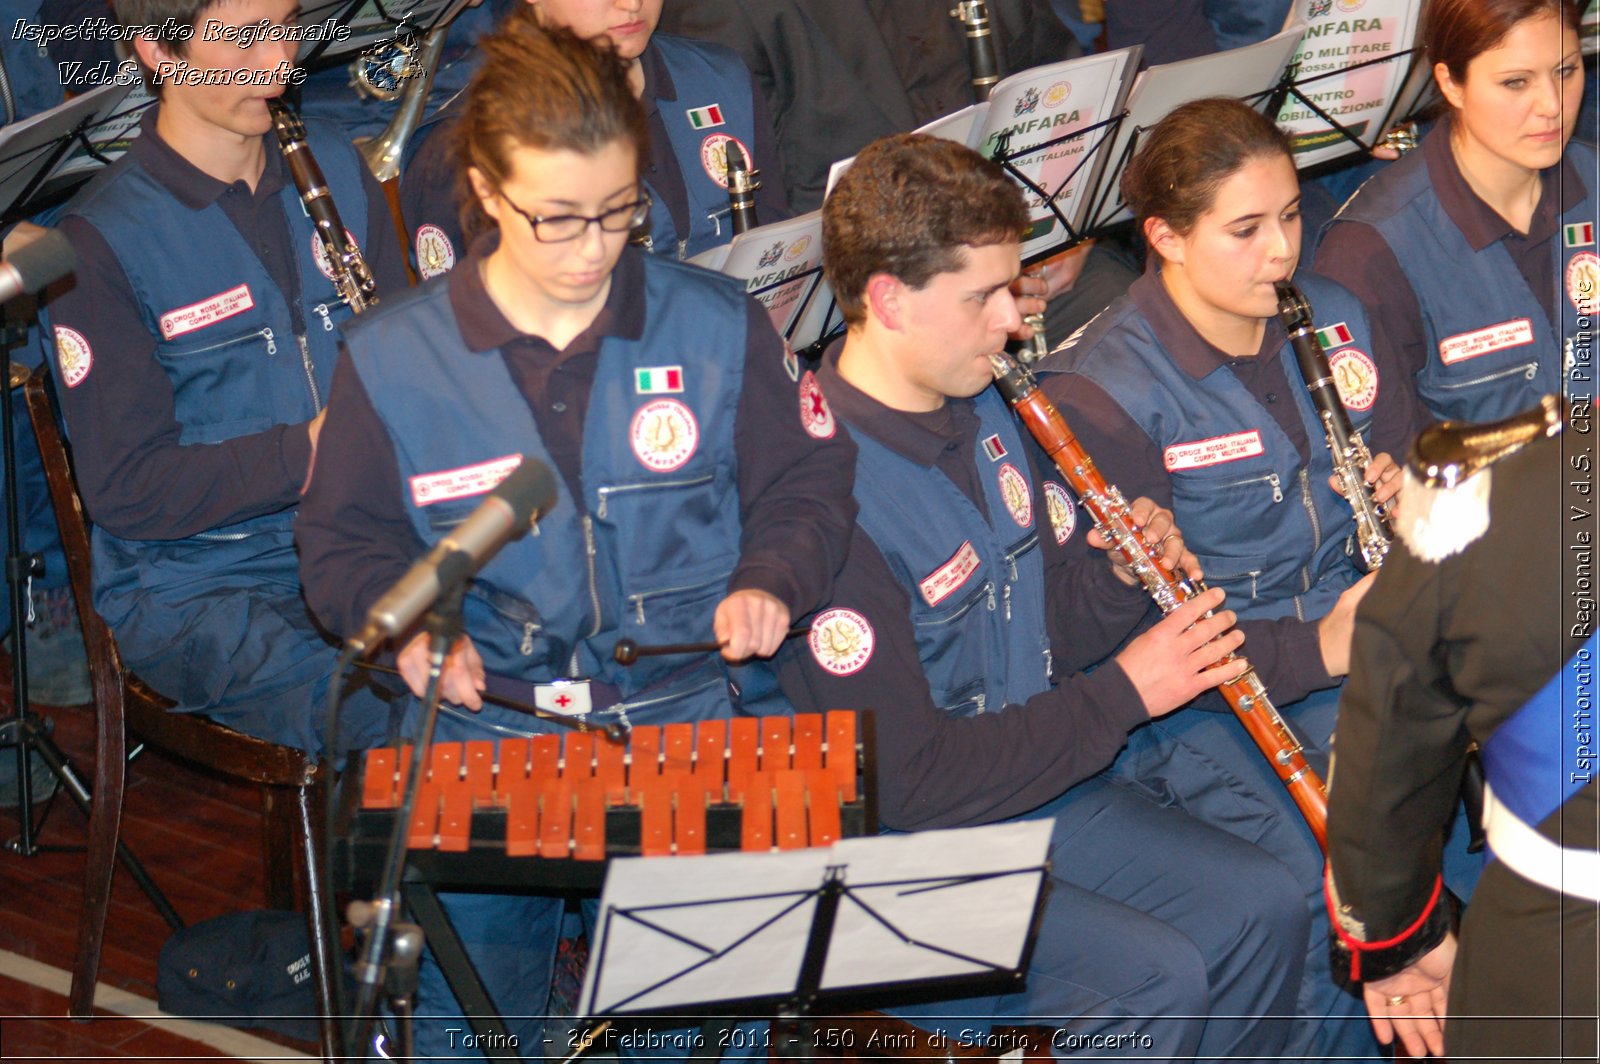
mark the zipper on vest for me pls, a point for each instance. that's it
(263, 333)
(594, 591)
(526, 646)
(606, 491)
(1316, 534)
(980, 700)
(1528, 371)
(322, 311)
(638, 599)
(311, 373)
(972, 600)
(1270, 479)
(1007, 597)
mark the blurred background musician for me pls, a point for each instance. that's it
(840, 73)
(696, 96)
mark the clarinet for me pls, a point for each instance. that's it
(1350, 454)
(974, 15)
(1246, 696)
(742, 186)
(351, 277)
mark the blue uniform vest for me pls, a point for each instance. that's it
(648, 555)
(703, 75)
(30, 73)
(225, 335)
(1266, 527)
(1478, 301)
(976, 584)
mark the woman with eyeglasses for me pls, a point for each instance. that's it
(705, 487)
(698, 98)
(1477, 255)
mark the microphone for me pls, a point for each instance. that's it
(507, 514)
(47, 259)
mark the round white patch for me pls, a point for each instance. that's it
(1018, 496)
(664, 435)
(1583, 281)
(73, 355)
(319, 252)
(1356, 377)
(815, 414)
(841, 641)
(434, 253)
(714, 157)
(1062, 508)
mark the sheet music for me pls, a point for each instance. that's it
(781, 266)
(1341, 34)
(28, 145)
(1248, 72)
(1034, 107)
(1041, 105)
(680, 931)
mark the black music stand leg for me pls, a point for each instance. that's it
(493, 1038)
(794, 1032)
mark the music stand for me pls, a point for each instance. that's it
(37, 149)
(782, 934)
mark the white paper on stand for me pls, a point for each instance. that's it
(1247, 73)
(684, 931)
(1339, 37)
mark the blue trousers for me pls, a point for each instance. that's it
(228, 635)
(1204, 763)
(1161, 938)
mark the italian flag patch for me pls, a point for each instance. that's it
(705, 117)
(1334, 335)
(994, 448)
(1579, 234)
(658, 380)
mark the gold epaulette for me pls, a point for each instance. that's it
(1445, 503)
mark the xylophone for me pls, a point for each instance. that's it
(547, 810)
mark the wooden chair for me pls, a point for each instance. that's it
(292, 801)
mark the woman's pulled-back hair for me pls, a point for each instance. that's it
(543, 88)
(1455, 32)
(1187, 156)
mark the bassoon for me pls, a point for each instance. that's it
(1246, 696)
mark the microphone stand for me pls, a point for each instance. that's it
(389, 954)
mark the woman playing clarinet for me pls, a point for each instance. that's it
(1186, 391)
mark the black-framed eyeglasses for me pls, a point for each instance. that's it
(560, 228)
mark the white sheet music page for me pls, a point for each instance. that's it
(1340, 36)
(688, 931)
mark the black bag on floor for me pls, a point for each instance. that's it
(249, 969)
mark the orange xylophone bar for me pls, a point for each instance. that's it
(788, 776)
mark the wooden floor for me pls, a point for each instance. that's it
(200, 839)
